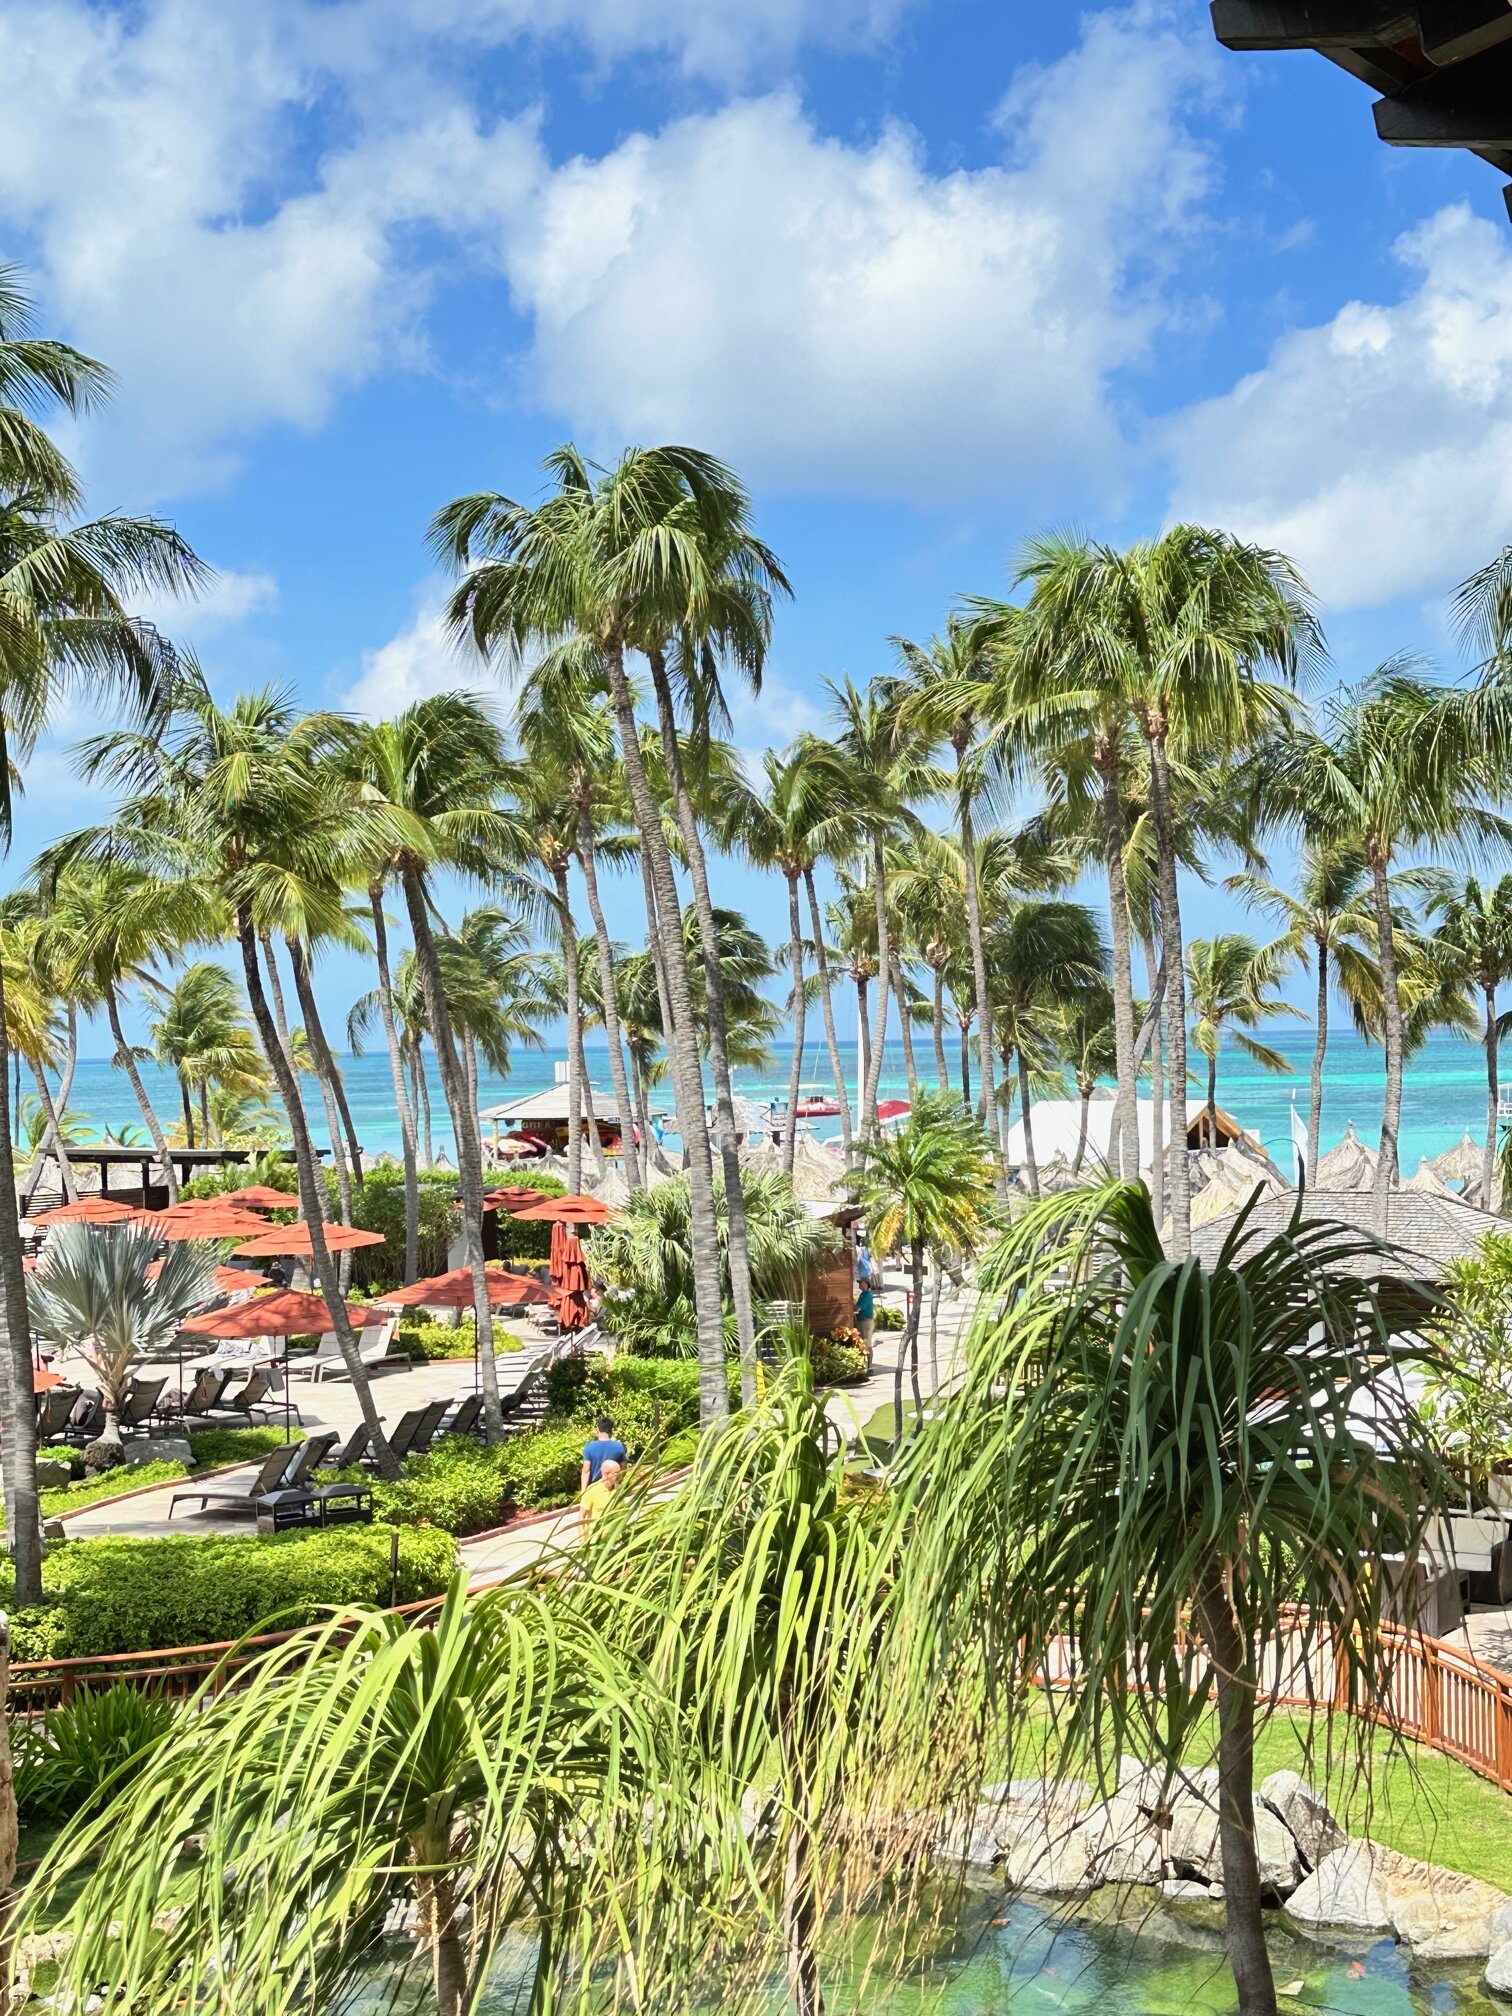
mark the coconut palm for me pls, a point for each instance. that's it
(66, 590)
(925, 1189)
(1164, 1462)
(1040, 956)
(438, 771)
(200, 1032)
(1232, 983)
(621, 558)
(92, 1292)
(1330, 923)
(1477, 925)
(1175, 636)
(1085, 1040)
(1395, 762)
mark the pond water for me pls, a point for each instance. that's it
(1022, 1959)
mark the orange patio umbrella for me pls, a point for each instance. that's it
(261, 1197)
(566, 1211)
(294, 1240)
(285, 1313)
(208, 1218)
(233, 1280)
(510, 1197)
(455, 1290)
(88, 1211)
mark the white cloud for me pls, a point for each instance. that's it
(1375, 448)
(841, 315)
(417, 661)
(226, 601)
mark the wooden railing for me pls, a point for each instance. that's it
(1437, 1693)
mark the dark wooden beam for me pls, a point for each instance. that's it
(1451, 30)
(1311, 24)
(1468, 104)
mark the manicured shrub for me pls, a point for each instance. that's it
(214, 1447)
(82, 1745)
(460, 1486)
(428, 1341)
(836, 1361)
(124, 1595)
(885, 1317)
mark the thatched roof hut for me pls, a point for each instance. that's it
(1349, 1166)
(1427, 1182)
(1460, 1164)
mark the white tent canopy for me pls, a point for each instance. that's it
(1056, 1124)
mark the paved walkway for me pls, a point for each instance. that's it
(333, 1404)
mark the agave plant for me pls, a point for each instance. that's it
(92, 1294)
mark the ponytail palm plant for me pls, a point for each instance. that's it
(1166, 1462)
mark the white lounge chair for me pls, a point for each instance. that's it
(374, 1346)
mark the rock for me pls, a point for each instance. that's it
(157, 1449)
(1033, 1795)
(1178, 1891)
(54, 1531)
(1045, 1853)
(1215, 1891)
(1498, 1974)
(1344, 1891)
(1501, 1928)
(972, 1837)
(51, 1474)
(1193, 1847)
(1150, 1786)
(1441, 1914)
(1304, 1815)
(1122, 1843)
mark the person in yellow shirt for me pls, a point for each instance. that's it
(598, 1493)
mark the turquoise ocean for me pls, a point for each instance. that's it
(1445, 1090)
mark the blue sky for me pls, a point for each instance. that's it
(931, 273)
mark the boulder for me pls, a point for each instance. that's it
(1122, 1843)
(1303, 1814)
(1177, 1890)
(972, 1837)
(1150, 1786)
(1045, 1853)
(52, 1475)
(1193, 1847)
(1498, 1974)
(1441, 1914)
(1501, 1928)
(157, 1449)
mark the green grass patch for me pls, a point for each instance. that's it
(58, 1502)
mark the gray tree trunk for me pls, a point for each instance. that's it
(127, 1063)
(987, 1086)
(937, 1019)
(910, 1069)
(1031, 1167)
(1320, 1050)
(1488, 1157)
(800, 1016)
(325, 1071)
(827, 1000)
(1157, 1083)
(18, 1444)
(1170, 925)
(1391, 1003)
(574, 1033)
(1124, 1144)
(884, 969)
(624, 1111)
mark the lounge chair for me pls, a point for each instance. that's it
(54, 1410)
(352, 1450)
(511, 1396)
(245, 1405)
(140, 1405)
(205, 1394)
(375, 1346)
(86, 1420)
(465, 1417)
(416, 1430)
(281, 1470)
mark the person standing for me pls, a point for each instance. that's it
(605, 1447)
(866, 1318)
(600, 1491)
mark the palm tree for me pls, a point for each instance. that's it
(1040, 957)
(93, 1293)
(927, 1189)
(1395, 763)
(626, 559)
(1477, 925)
(1329, 922)
(954, 688)
(1163, 1463)
(200, 1033)
(1232, 984)
(1086, 1043)
(66, 586)
(382, 1000)
(803, 814)
(1174, 635)
(437, 770)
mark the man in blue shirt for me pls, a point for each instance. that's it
(604, 1448)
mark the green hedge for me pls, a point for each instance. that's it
(426, 1342)
(837, 1364)
(128, 1595)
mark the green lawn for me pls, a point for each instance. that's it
(1411, 1798)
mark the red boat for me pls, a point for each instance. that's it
(817, 1109)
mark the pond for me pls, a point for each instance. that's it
(1024, 1959)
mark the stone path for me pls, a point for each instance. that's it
(333, 1404)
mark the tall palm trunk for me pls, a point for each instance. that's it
(310, 1197)
(642, 1106)
(275, 990)
(1124, 1145)
(682, 1055)
(325, 1072)
(937, 1024)
(800, 1014)
(966, 1065)
(1391, 1004)
(1244, 1923)
(1212, 1102)
(1170, 926)
(54, 1133)
(909, 1067)
(574, 1031)
(52, 1140)
(127, 1062)
(1085, 1089)
(187, 1109)
(402, 1104)
(1157, 1081)
(1493, 1100)
(590, 1112)
(738, 1251)
(204, 1106)
(863, 1045)
(659, 969)
(827, 999)
(884, 967)
(18, 1444)
(469, 1142)
(1031, 1166)
(624, 1112)
(986, 1086)
(1320, 1050)
(423, 1101)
